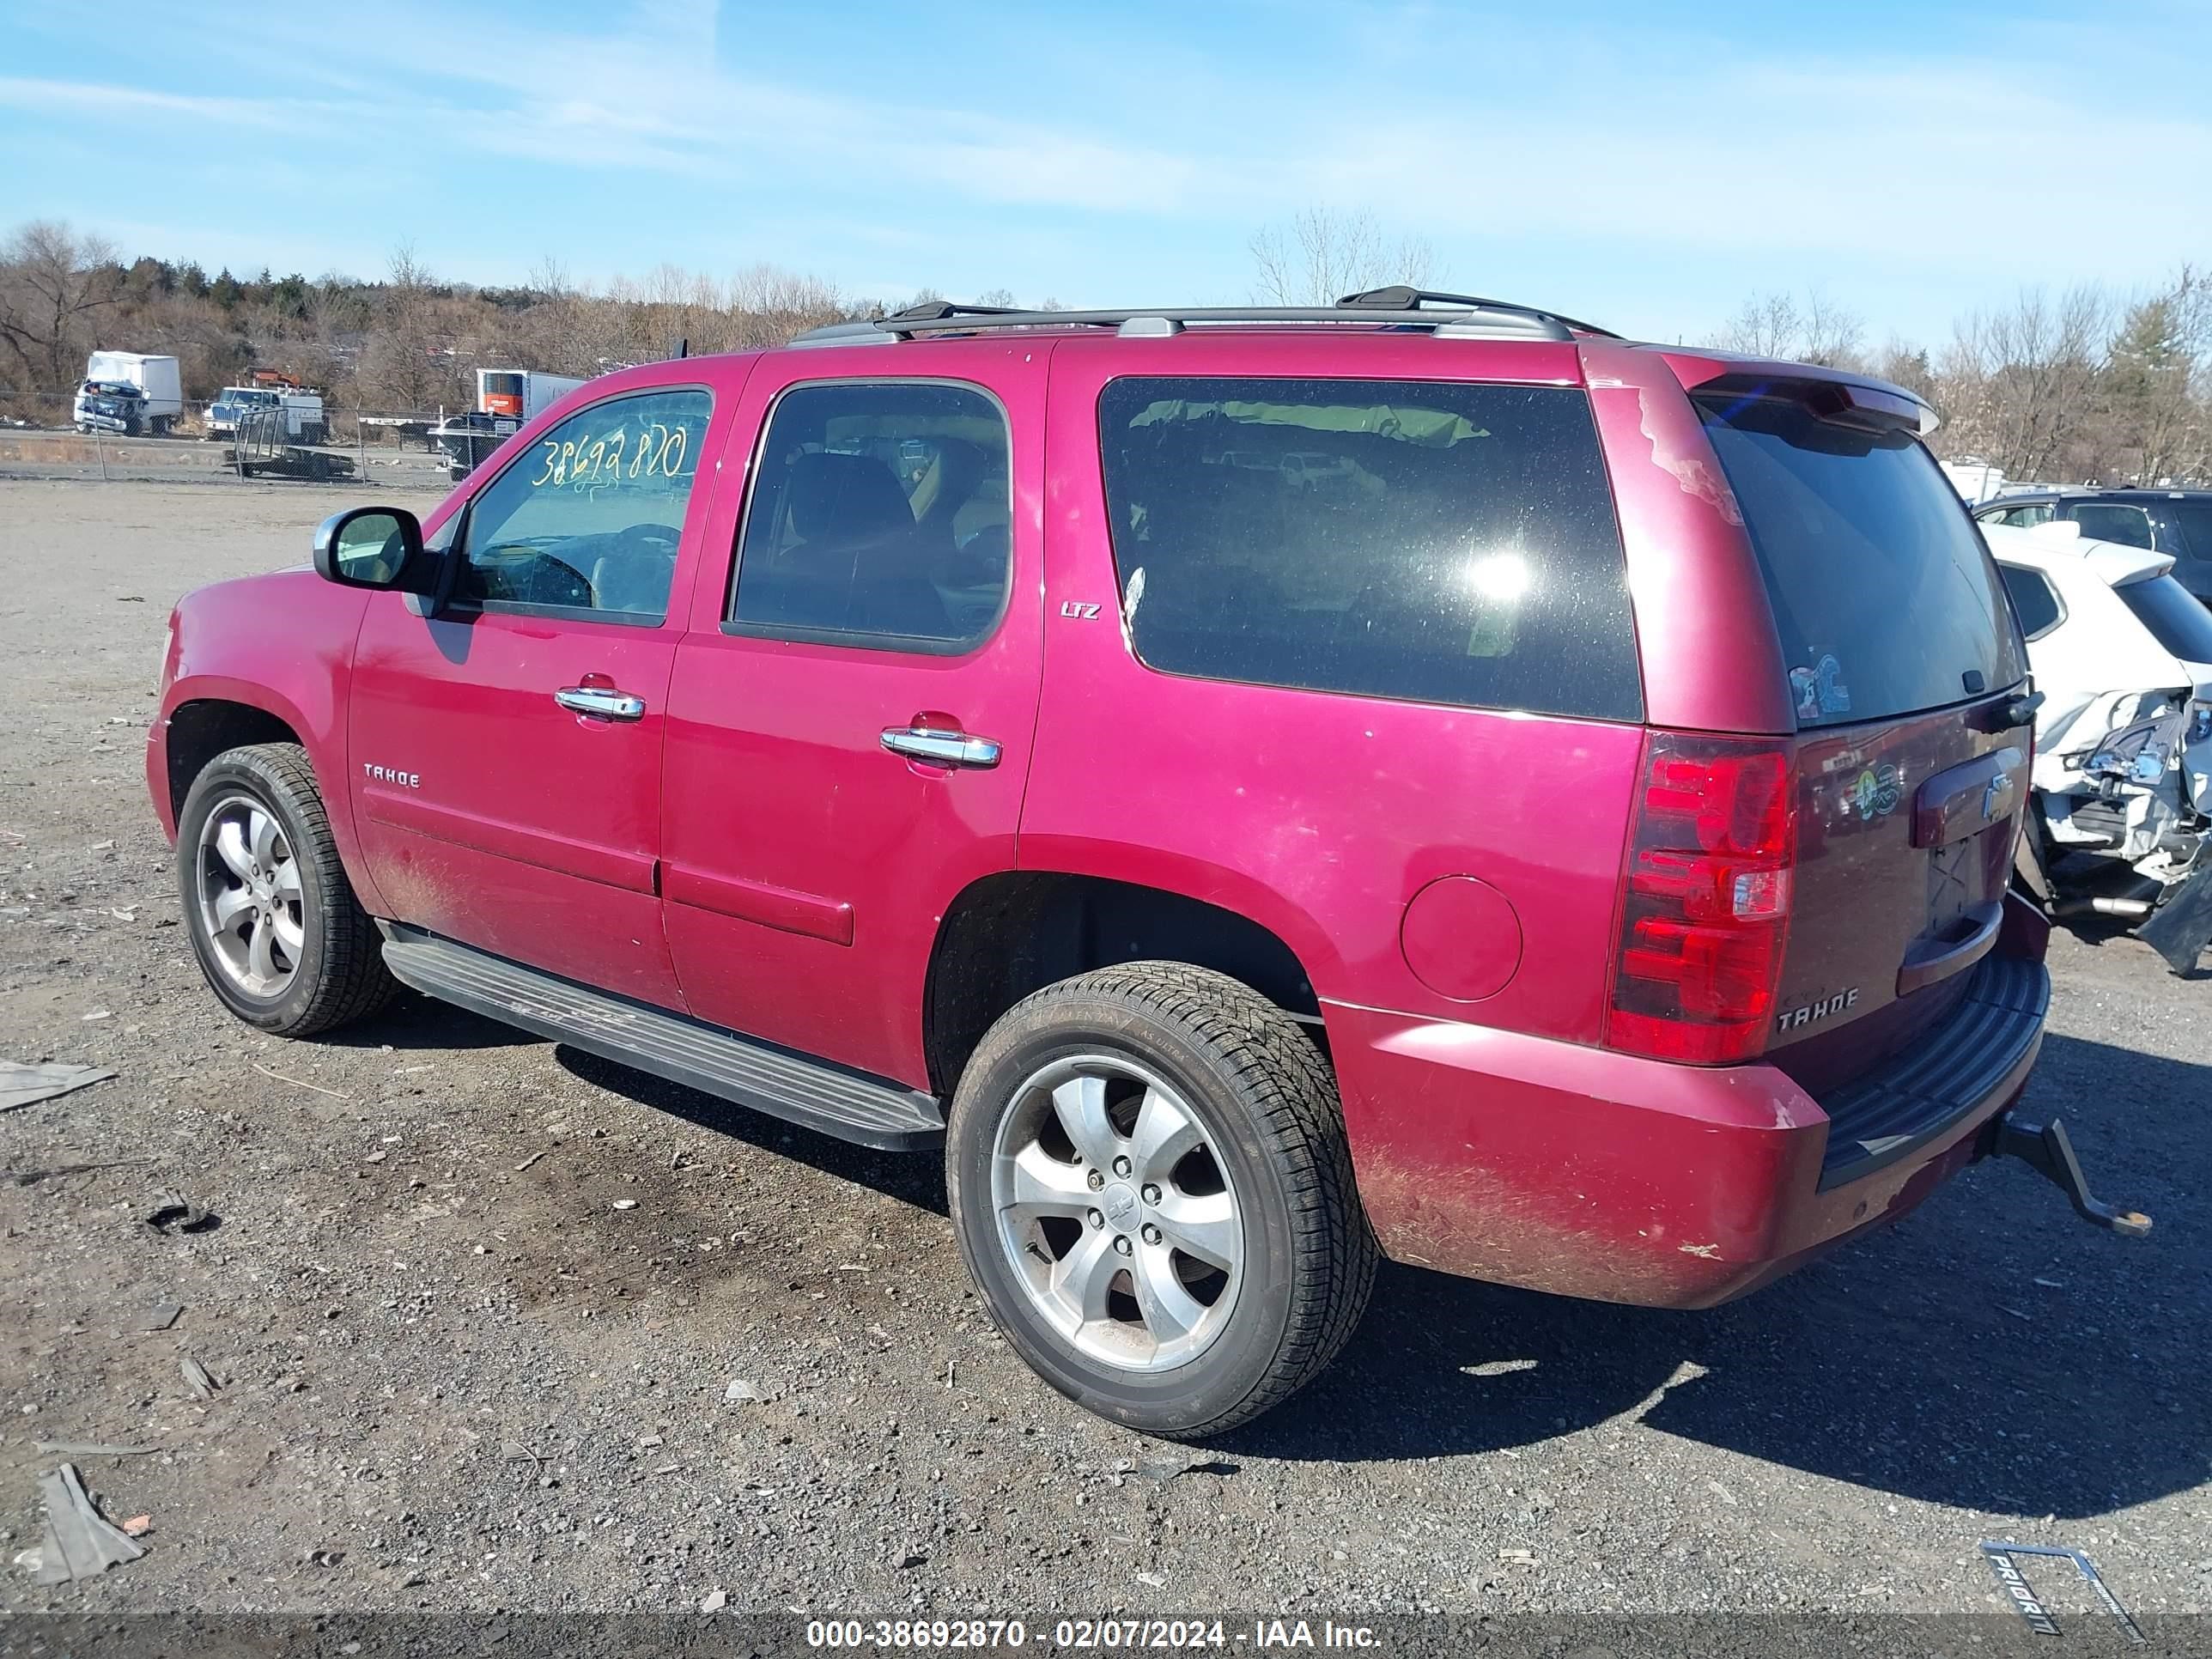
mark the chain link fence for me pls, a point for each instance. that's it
(99, 435)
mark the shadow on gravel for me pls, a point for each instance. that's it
(1923, 1360)
(413, 1021)
(1929, 1360)
(916, 1178)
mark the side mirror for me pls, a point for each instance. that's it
(377, 547)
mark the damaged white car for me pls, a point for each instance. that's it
(2122, 775)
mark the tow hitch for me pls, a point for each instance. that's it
(2045, 1148)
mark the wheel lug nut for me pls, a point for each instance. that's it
(1151, 1234)
(1122, 1167)
(1098, 1219)
(1096, 1180)
(1121, 1243)
(1152, 1193)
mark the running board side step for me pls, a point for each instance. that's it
(829, 1099)
(2049, 1151)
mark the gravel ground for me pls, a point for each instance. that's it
(455, 1376)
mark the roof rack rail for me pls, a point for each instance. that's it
(937, 311)
(1449, 314)
(1413, 298)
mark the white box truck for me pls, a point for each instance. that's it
(521, 394)
(103, 396)
(304, 421)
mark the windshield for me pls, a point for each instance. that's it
(1884, 597)
(2175, 617)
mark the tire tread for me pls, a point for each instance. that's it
(1290, 1088)
(353, 983)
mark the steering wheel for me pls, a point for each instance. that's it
(655, 537)
(529, 572)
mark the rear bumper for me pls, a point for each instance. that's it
(1588, 1173)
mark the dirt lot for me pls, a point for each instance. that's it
(455, 1376)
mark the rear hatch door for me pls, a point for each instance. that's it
(1911, 762)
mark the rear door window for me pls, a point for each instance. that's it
(1439, 542)
(881, 515)
(2033, 597)
(1884, 597)
(2111, 521)
(2195, 519)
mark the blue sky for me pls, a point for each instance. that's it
(1643, 165)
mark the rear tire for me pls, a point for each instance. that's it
(274, 921)
(1204, 1118)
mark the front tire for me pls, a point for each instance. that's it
(1148, 1177)
(274, 921)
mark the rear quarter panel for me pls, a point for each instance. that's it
(1711, 659)
(1317, 815)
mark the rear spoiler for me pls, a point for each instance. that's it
(1832, 394)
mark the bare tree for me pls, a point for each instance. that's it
(1910, 367)
(1325, 252)
(1764, 326)
(768, 305)
(1776, 326)
(412, 360)
(53, 284)
(2022, 382)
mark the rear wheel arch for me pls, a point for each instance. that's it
(1014, 932)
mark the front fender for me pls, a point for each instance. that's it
(281, 645)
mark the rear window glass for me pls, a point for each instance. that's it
(2176, 617)
(1884, 597)
(1442, 543)
(2032, 598)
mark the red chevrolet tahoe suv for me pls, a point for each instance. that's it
(1259, 788)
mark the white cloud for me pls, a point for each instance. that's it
(91, 98)
(1665, 161)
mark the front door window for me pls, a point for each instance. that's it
(589, 520)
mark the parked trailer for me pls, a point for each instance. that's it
(506, 400)
(263, 445)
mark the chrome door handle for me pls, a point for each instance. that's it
(940, 748)
(601, 702)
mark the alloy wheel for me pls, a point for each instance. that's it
(251, 903)
(1117, 1212)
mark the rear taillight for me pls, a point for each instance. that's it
(1707, 908)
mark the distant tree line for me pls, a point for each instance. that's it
(2084, 385)
(404, 342)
